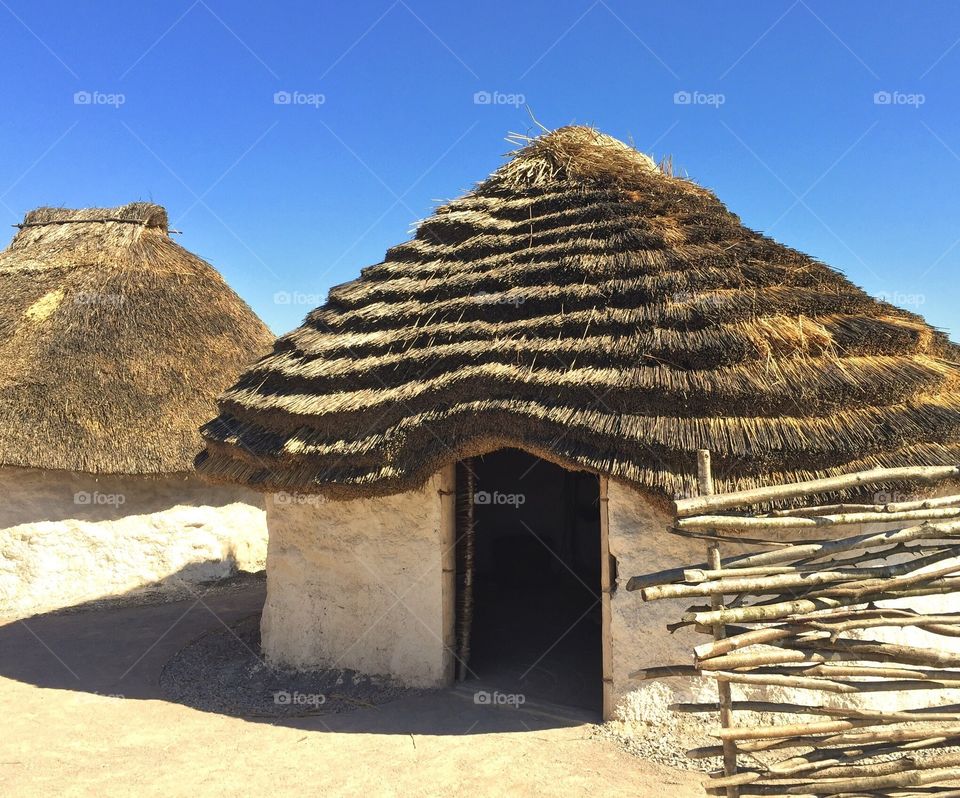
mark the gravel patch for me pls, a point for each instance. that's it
(223, 671)
(665, 742)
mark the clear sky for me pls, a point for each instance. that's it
(833, 127)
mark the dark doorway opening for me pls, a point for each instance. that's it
(528, 603)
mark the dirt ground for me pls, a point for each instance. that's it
(84, 715)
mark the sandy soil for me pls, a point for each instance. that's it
(68, 731)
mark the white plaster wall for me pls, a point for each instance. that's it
(358, 584)
(68, 538)
(639, 637)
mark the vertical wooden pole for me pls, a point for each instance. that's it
(606, 579)
(466, 549)
(448, 565)
(705, 482)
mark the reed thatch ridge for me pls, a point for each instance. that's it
(115, 342)
(585, 306)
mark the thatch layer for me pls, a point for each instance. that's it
(585, 306)
(115, 342)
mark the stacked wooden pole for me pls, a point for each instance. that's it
(800, 615)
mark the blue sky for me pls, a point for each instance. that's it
(833, 127)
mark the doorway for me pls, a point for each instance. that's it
(529, 579)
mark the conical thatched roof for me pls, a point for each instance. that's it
(115, 342)
(585, 306)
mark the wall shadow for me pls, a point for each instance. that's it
(116, 649)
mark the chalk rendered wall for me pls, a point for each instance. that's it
(362, 584)
(638, 638)
(68, 538)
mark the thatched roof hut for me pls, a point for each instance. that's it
(585, 306)
(115, 342)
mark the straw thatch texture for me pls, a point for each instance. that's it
(115, 342)
(585, 306)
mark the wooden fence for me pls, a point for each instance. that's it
(797, 611)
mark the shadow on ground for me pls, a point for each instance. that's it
(119, 649)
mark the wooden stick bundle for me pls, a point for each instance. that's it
(791, 553)
(863, 579)
(822, 599)
(795, 616)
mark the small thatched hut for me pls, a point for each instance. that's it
(115, 342)
(583, 307)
